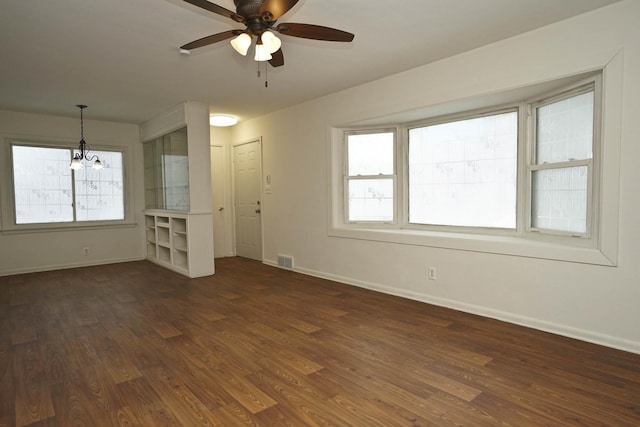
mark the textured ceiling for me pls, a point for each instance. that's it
(121, 57)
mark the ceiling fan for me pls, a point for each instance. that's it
(259, 18)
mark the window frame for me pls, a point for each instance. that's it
(9, 223)
(593, 164)
(450, 118)
(347, 178)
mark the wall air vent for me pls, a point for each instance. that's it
(285, 261)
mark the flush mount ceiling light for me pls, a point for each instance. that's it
(83, 154)
(222, 120)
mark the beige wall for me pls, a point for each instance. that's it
(592, 302)
(23, 251)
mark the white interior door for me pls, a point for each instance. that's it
(218, 185)
(247, 161)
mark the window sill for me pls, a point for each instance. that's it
(66, 227)
(502, 245)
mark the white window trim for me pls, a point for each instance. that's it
(8, 197)
(602, 248)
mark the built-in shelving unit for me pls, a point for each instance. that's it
(179, 235)
(167, 240)
(172, 241)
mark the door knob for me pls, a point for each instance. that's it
(221, 208)
(257, 210)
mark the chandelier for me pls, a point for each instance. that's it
(79, 158)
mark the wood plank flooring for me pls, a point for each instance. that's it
(135, 344)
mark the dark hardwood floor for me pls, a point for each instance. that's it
(135, 344)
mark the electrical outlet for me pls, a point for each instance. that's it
(86, 250)
(431, 273)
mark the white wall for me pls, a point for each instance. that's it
(591, 302)
(24, 251)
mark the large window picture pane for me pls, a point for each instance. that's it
(559, 199)
(100, 193)
(371, 200)
(464, 173)
(42, 185)
(565, 130)
(371, 154)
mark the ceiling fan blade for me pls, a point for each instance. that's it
(211, 7)
(277, 59)
(277, 8)
(210, 39)
(314, 32)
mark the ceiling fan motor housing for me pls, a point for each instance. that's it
(248, 8)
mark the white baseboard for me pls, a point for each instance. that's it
(66, 266)
(542, 325)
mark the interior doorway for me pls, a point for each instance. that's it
(221, 244)
(247, 162)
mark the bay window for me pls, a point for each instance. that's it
(523, 177)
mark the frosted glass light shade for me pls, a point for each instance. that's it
(76, 164)
(241, 43)
(222, 120)
(270, 41)
(262, 54)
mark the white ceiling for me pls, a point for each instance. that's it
(121, 57)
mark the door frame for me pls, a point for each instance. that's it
(233, 192)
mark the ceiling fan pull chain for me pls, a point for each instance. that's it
(266, 73)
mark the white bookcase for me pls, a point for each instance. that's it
(175, 241)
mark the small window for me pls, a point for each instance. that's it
(46, 190)
(464, 172)
(370, 178)
(563, 163)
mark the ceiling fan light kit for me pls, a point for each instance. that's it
(259, 18)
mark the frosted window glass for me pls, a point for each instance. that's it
(559, 199)
(463, 173)
(371, 154)
(565, 130)
(42, 185)
(371, 200)
(100, 192)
